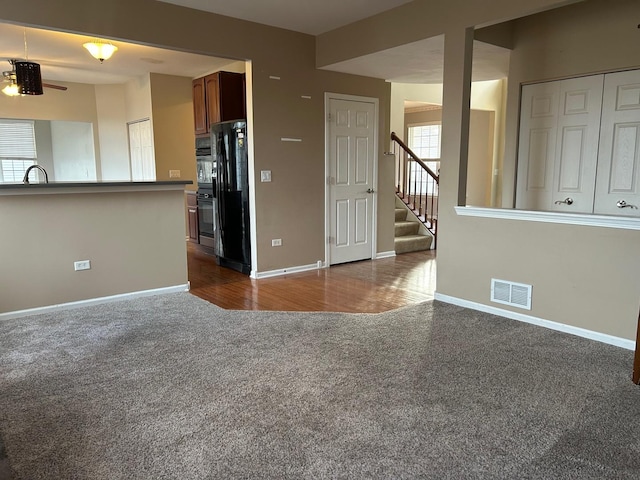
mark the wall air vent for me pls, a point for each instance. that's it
(511, 293)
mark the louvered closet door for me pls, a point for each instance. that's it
(619, 155)
(559, 145)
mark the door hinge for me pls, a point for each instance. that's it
(329, 118)
(331, 180)
(330, 240)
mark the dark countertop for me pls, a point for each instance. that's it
(90, 187)
(92, 184)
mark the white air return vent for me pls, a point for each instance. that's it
(511, 293)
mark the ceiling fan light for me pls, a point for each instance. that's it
(100, 50)
(28, 78)
(11, 89)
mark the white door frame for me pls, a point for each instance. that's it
(327, 157)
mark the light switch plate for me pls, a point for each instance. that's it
(174, 173)
(265, 175)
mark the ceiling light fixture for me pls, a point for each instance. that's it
(12, 88)
(100, 50)
(28, 78)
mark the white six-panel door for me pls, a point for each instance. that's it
(558, 150)
(351, 157)
(618, 182)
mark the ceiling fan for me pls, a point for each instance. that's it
(24, 78)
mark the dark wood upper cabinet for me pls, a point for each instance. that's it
(199, 107)
(218, 97)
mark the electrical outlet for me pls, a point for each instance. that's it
(276, 242)
(265, 175)
(82, 265)
(174, 173)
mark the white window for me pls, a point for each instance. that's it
(424, 140)
(17, 149)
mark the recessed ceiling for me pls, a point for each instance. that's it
(307, 16)
(62, 58)
(423, 62)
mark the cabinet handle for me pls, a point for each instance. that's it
(192, 211)
(623, 204)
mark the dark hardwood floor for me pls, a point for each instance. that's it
(367, 286)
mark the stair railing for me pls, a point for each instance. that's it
(416, 185)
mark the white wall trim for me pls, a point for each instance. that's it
(284, 271)
(94, 301)
(561, 327)
(389, 254)
(625, 223)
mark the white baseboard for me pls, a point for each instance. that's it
(561, 327)
(94, 301)
(306, 268)
(285, 271)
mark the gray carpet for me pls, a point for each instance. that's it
(172, 387)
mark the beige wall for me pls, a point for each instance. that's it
(112, 130)
(291, 207)
(418, 20)
(77, 104)
(135, 241)
(581, 276)
(137, 93)
(481, 139)
(173, 136)
(483, 187)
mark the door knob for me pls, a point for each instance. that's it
(566, 201)
(623, 204)
(370, 190)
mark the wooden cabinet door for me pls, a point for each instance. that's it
(192, 216)
(232, 96)
(199, 109)
(212, 95)
(193, 224)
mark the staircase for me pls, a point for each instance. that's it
(411, 234)
(417, 193)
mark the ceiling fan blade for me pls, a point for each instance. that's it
(56, 87)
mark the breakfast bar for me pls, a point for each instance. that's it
(128, 238)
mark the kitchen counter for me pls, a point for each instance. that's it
(131, 233)
(89, 187)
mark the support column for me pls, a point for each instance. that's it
(456, 99)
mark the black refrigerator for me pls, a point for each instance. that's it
(232, 242)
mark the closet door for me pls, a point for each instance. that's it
(537, 145)
(618, 185)
(558, 153)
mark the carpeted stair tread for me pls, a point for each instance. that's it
(412, 243)
(406, 227)
(401, 214)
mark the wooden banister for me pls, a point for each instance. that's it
(414, 157)
(416, 187)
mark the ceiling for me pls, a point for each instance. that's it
(63, 59)
(307, 16)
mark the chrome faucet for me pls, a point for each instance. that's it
(25, 180)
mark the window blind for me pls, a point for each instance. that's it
(17, 139)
